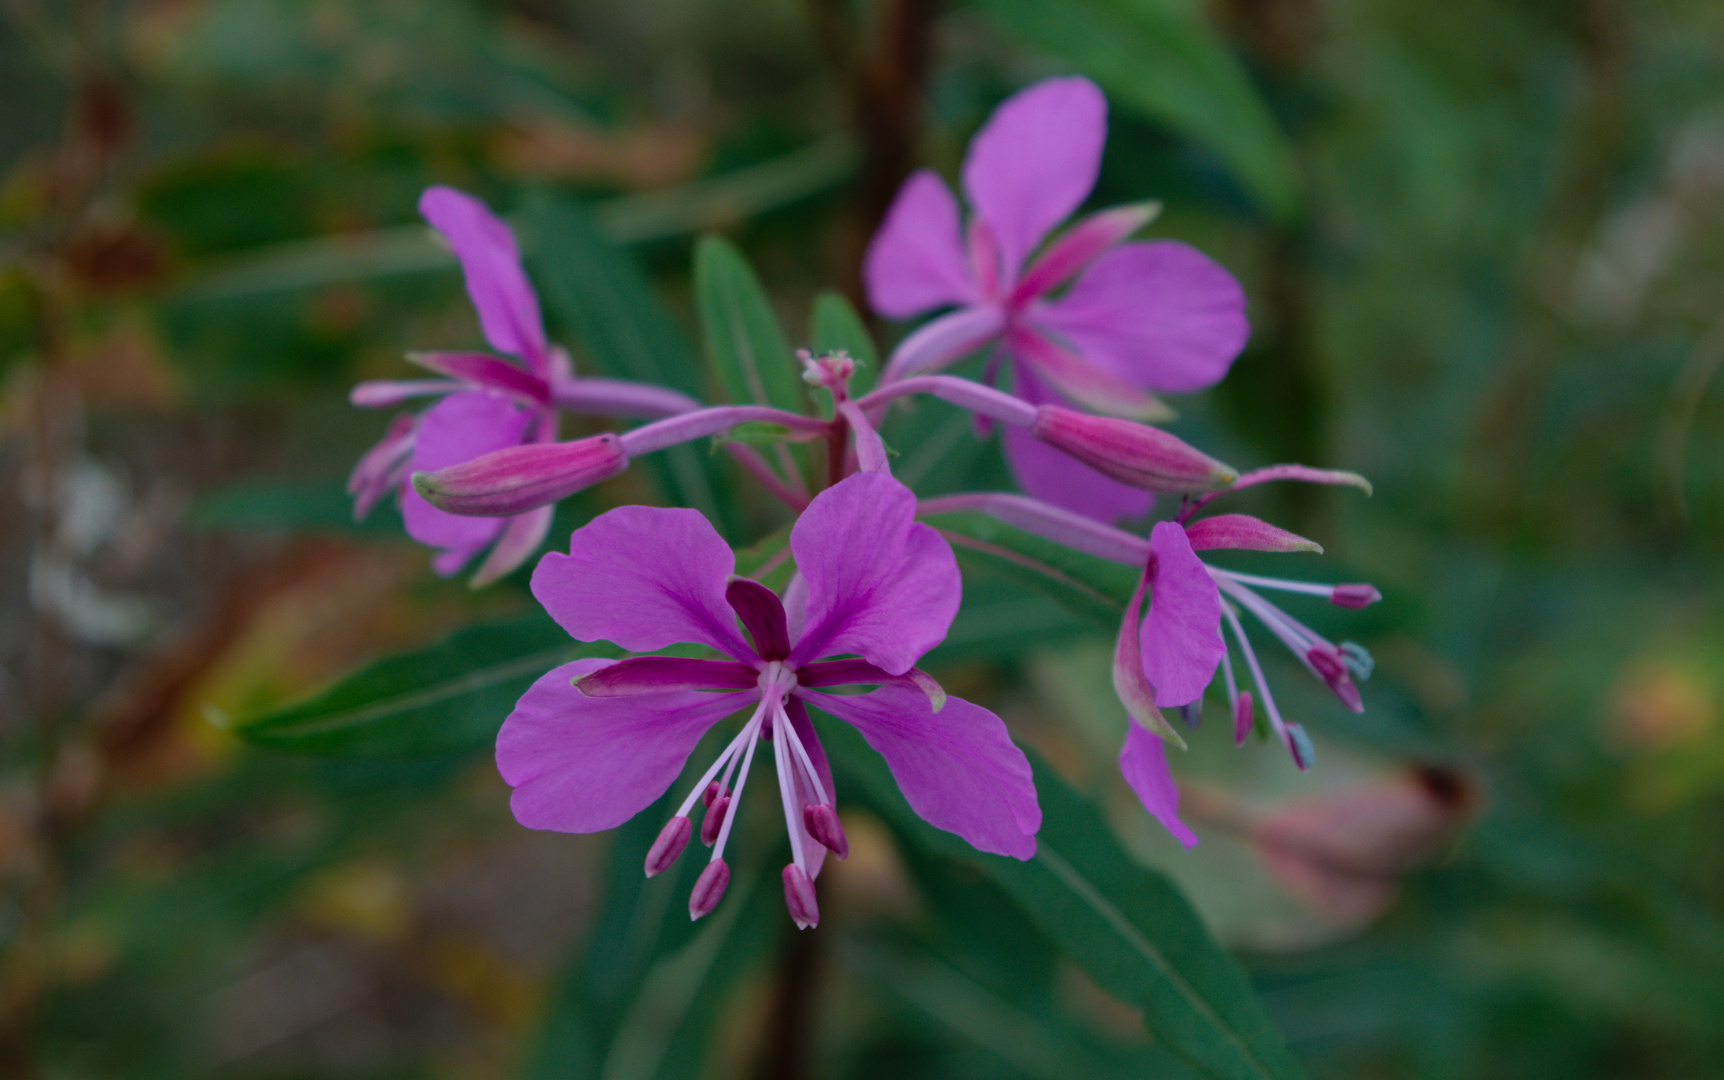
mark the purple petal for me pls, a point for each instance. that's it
(940, 341)
(958, 770)
(1143, 762)
(490, 261)
(1129, 681)
(644, 577)
(879, 584)
(458, 429)
(862, 673)
(382, 467)
(915, 263)
(762, 615)
(1035, 161)
(486, 372)
(1181, 643)
(1055, 477)
(581, 764)
(382, 393)
(1080, 245)
(521, 537)
(1162, 315)
(1090, 385)
(663, 674)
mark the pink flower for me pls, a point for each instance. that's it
(488, 404)
(595, 742)
(1166, 656)
(1139, 316)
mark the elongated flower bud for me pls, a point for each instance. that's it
(1354, 596)
(521, 478)
(1132, 453)
(1246, 533)
(1242, 717)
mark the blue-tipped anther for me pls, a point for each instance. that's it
(1358, 660)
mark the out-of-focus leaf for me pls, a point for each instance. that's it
(1126, 926)
(272, 505)
(1093, 588)
(836, 326)
(448, 699)
(743, 339)
(1158, 61)
(605, 299)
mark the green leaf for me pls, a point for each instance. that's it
(1164, 64)
(1090, 587)
(743, 338)
(1125, 925)
(448, 699)
(836, 326)
(602, 295)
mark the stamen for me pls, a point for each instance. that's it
(671, 840)
(713, 791)
(1228, 680)
(1304, 754)
(822, 823)
(781, 759)
(1309, 588)
(1355, 596)
(1242, 718)
(709, 824)
(708, 888)
(731, 803)
(1358, 660)
(1269, 708)
(799, 898)
(806, 763)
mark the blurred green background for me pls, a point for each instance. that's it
(1483, 244)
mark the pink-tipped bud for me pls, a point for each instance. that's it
(713, 791)
(1132, 453)
(708, 888)
(671, 840)
(1245, 533)
(1243, 717)
(1332, 669)
(521, 478)
(822, 823)
(799, 898)
(1355, 596)
(714, 820)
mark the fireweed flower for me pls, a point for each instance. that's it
(487, 403)
(1139, 316)
(1166, 656)
(595, 742)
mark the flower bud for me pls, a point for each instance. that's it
(521, 478)
(1132, 453)
(1245, 533)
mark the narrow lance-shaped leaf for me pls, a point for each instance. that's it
(1164, 64)
(600, 293)
(1125, 925)
(743, 339)
(447, 699)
